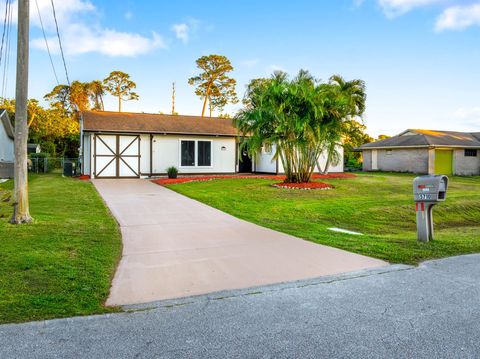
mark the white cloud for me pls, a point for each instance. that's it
(459, 17)
(81, 31)
(393, 8)
(181, 31)
(80, 39)
(468, 116)
(250, 62)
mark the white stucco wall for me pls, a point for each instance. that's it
(87, 154)
(145, 155)
(166, 153)
(265, 163)
(6, 146)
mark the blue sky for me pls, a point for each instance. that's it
(420, 58)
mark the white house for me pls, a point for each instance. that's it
(132, 145)
(265, 163)
(6, 146)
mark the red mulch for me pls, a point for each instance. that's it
(307, 185)
(167, 181)
(84, 177)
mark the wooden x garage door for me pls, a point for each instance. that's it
(116, 156)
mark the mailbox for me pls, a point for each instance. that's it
(427, 192)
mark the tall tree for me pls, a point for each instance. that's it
(118, 83)
(75, 97)
(213, 85)
(21, 211)
(79, 96)
(59, 97)
(96, 92)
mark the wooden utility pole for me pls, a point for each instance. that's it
(173, 98)
(21, 213)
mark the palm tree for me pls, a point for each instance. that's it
(350, 102)
(97, 90)
(287, 114)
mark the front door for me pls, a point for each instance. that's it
(116, 156)
(245, 162)
(443, 162)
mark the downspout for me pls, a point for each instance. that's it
(151, 155)
(80, 151)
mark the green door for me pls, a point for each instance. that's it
(443, 162)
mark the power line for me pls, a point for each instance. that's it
(7, 4)
(60, 42)
(7, 52)
(46, 42)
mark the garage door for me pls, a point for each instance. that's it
(116, 156)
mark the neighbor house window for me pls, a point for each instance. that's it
(204, 153)
(188, 153)
(470, 153)
(389, 152)
(195, 153)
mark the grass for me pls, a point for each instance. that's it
(62, 264)
(379, 205)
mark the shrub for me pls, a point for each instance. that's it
(172, 172)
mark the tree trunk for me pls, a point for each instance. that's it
(204, 105)
(21, 213)
(207, 97)
(119, 104)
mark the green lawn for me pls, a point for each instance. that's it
(379, 205)
(61, 265)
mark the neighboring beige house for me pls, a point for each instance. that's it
(425, 151)
(6, 146)
(133, 145)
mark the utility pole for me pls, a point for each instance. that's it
(21, 213)
(173, 98)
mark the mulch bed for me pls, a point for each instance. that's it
(167, 181)
(304, 186)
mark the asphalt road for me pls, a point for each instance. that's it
(430, 311)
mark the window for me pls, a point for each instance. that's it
(188, 153)
(195, 153)
(470, 153)
(204, 153)
(389, 152)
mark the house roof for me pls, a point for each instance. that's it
(5, 120)
(428, 138)
(104, 121)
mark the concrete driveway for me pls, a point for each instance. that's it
(174, 247)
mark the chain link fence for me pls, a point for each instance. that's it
(69, 166)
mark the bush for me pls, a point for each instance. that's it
(172, 172)
(41, 163)
(48, 148)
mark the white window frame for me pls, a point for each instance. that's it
(196, 140)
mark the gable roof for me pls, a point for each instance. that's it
(127, 122)
(5, 120)
(428, 138)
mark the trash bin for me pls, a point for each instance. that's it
(68, 168)
(427, 192)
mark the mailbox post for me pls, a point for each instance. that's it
(427, 192)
